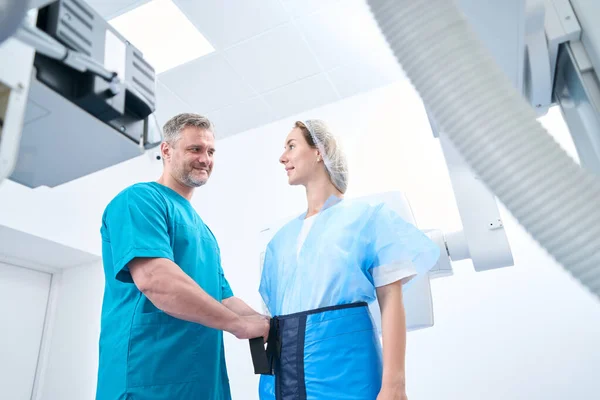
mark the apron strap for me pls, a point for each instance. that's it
(263, 359)
(259, 356)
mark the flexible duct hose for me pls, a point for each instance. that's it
(496, 131)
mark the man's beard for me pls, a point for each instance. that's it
(188, 180)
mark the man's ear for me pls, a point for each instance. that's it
(165, 151)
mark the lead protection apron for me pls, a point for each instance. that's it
(327, 353)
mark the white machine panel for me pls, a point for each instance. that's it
(484, 232)
(14, 87)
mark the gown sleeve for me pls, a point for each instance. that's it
(398, 250)
(265, 288)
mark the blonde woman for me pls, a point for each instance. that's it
(321, 271)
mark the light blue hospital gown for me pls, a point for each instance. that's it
(350, 249)
(145, 353)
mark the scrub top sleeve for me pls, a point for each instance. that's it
(399, 251)
(137, 227)
(226, 291)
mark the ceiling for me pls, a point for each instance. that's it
(272, 59)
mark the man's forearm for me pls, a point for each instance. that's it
(239, 307)
(174, 292)
(393, 322)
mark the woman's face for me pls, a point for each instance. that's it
(299, 159)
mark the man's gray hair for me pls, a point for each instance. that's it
(172, 129)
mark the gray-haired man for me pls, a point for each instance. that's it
(166, 299)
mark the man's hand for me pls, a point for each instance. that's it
(392, 393)
(253, 326)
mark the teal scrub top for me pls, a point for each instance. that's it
(145, 353)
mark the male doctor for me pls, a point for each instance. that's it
(166, 299)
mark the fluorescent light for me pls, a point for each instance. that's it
(163, 34)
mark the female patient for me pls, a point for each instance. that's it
(320, 272)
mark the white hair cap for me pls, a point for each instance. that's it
(331, 151)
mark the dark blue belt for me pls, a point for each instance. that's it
(292, 326)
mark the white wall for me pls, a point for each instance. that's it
(70, 361)
(23, 297)
(527, 332)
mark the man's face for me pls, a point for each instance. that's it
(190, 159)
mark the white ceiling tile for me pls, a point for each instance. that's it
(168, 104)
(300, 96)
(240, 117)
(298, 8)
(112, 8)
(378, 70)
(273, 59)
(354, 35)
(207, 84)
(162, 32)
(227, 22)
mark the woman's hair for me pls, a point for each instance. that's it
(319, 136)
